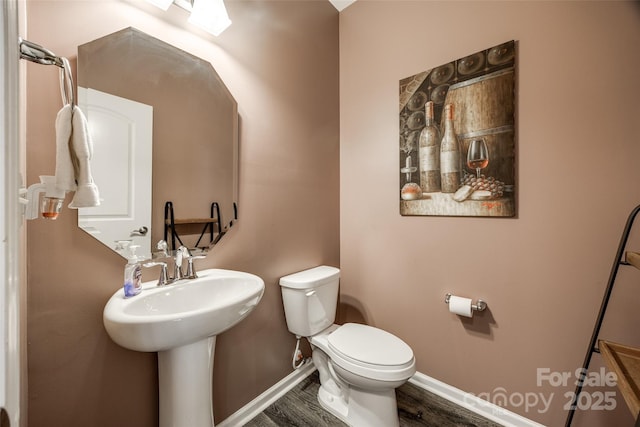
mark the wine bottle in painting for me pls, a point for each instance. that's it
(429, 152)
(450, 166)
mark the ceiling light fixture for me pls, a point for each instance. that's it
(209, 15)
(162, 4)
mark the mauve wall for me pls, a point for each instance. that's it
(543, 273)
(280, 61)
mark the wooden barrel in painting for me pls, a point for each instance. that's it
(484, 107)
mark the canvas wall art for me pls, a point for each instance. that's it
(458, 137)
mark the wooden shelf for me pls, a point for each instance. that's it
(211, 223)
(625, 362)
(192, 221)
(633, 258)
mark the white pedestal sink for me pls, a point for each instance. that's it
(180, 321)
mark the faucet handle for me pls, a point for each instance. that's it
(181, 253)
(162, 247)
(177, 272)
(164, 276)
(191, 271)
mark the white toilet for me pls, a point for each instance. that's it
(360, 366)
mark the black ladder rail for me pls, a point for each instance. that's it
(169, 224)
(603, 308)
(215, 224)
(215, 219)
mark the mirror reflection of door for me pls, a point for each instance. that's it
(122, 134)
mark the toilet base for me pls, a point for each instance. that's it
(363, 408)
(373, 406)
(333, 404)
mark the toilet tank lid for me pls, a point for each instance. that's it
(310, 278)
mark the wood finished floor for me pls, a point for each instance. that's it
(416, 407)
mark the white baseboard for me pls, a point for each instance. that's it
(260, 403)
(472, 403)
(466, 400)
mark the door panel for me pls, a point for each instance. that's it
(122, 134)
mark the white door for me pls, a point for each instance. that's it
(122, 134)
(13, 372)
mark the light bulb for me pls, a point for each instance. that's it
(210, 15)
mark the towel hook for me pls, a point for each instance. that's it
(40, 55)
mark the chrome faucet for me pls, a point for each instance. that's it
(191, 270)
(164, 276)
(181, 253)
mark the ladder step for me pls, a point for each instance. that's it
(633, 258)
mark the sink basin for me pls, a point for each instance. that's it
(181, 321)
(166, 317)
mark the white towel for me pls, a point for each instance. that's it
(81, 148)
(65, 176)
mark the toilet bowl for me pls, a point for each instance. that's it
(359, 366)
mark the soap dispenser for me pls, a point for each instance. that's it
(132, 274)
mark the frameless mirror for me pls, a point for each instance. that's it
(165, 134)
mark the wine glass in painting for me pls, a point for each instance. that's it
(478, 155)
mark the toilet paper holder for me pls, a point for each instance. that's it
(480, 305)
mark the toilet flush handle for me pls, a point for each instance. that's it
(310, 293)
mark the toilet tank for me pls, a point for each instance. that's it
(310, 298)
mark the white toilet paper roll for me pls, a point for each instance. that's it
(460, 306)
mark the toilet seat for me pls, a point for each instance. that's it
(367, 351)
